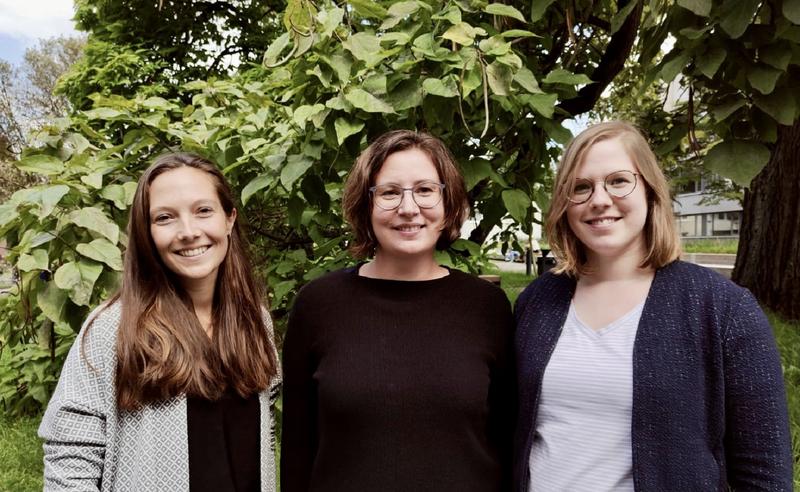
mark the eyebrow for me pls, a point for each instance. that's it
(420, 181)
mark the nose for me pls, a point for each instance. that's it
(600, 197)
(187, 229)
(407, 204)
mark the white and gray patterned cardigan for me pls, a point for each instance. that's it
(90, 445)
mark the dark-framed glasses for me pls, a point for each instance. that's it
(426, 194)
(618, 184)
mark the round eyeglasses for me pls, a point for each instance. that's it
(617, 184)
(426, 194)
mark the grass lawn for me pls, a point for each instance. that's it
(20, 455)
(710, 245)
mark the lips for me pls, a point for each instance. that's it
(408, 227)
(189, 253)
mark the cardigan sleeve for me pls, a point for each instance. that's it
(757, 439)
(299, 417)
(74, 425)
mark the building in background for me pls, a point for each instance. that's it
(700, 216)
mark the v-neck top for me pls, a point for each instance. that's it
(583, 427)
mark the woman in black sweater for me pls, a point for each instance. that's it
(398, 372)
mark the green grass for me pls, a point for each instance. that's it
(20, 455)
(513, 283)
(710, 245)
(787, 335)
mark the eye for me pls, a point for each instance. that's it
(205, 211)
(390, 192)
(162, 218)
(617, 180)
(582, 188)
(425, 189)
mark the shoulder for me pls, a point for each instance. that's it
(546, 289)
(325, 286)
(695, 283)
(101, 326)
(476, 290)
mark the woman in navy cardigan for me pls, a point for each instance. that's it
(638, 371)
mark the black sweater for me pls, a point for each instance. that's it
(396, 386)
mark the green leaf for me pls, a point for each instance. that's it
(472, 248)
(444, 88)
(8, 213)
(763, 78)
(363, 100)
(256, 184)
(620, 17)
(340, 64)
(538, 8)
(475, 170)
(103, 251)
(97, 221)
(45, 198)
(103, 113)
(738, 15)
(52, 300)
(369, 9)
(709, 62)
(37, 260)
(95, 180)
(525, 78)
(781, 105)
(517, 203)
(281, 289)
(41, 164)
(671, 68)
(330, 20)
(273, 53)
(122, 195)
(408, 94)
(499, 77)
(296, 166)
(518, 33)
(345, 128)
(561, 76)
(158, 103)
(556, 131)
(544, 104)
(776, 55)
(739, 160)
(78, 277)
(365, 47)
(726, 109)
(504, 10)
(461, 33)
(699, 7)
(399, 11)
(791, 10)
(304, 113)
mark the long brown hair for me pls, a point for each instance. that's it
(357, 202)
(660, 234)
(162, 351)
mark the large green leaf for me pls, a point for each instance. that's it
(499, 77)
(255, 185)
(438, 87)
(462, 33)
(121, 195)
(544, 104)
(44, 198)
(781, 105)
(103, 251)
(41, 164)
(538, 8)
(303, 113)
(296, 166)
(737, 16)
(709, 62)
(505, 10)
(276, 48)
(78, 277)
(561, 76)
(369, 9)
(95, 220)
(791, 10)
(727, 108)
(52, 300)
(330, 20)
(699, 7)
(345, 127)
(525, 78)
(620, 17)
(474, 170)
(517, 203)
(739, 160)
(671, 68)
(363, 100)
(763, 78)
(37, 260)
(365, 47)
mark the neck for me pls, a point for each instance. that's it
(202, 297)
(619, 267)
(423, 267)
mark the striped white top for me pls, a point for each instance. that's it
(583, 425)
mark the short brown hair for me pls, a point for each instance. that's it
(357, 202)
(661, 236)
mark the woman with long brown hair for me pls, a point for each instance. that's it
(398, 372)
(168, 386)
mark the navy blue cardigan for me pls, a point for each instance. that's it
(709, 405)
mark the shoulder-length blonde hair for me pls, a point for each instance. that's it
(357, 201)
(162, 351)
(660, 233)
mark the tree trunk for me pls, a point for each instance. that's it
(768, 260)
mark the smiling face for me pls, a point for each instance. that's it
(407, 231)
(188, 225)
(606, 225)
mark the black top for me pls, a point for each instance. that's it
(395, 386)
(224, 443)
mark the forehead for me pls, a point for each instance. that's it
(407, 166)
(182, 185)
(605, 156)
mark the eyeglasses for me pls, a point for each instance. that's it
(618, 184)
(426, 194)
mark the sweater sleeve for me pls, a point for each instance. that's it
(503, 393)
(74, 425)
(299, 418)
(757, 442)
